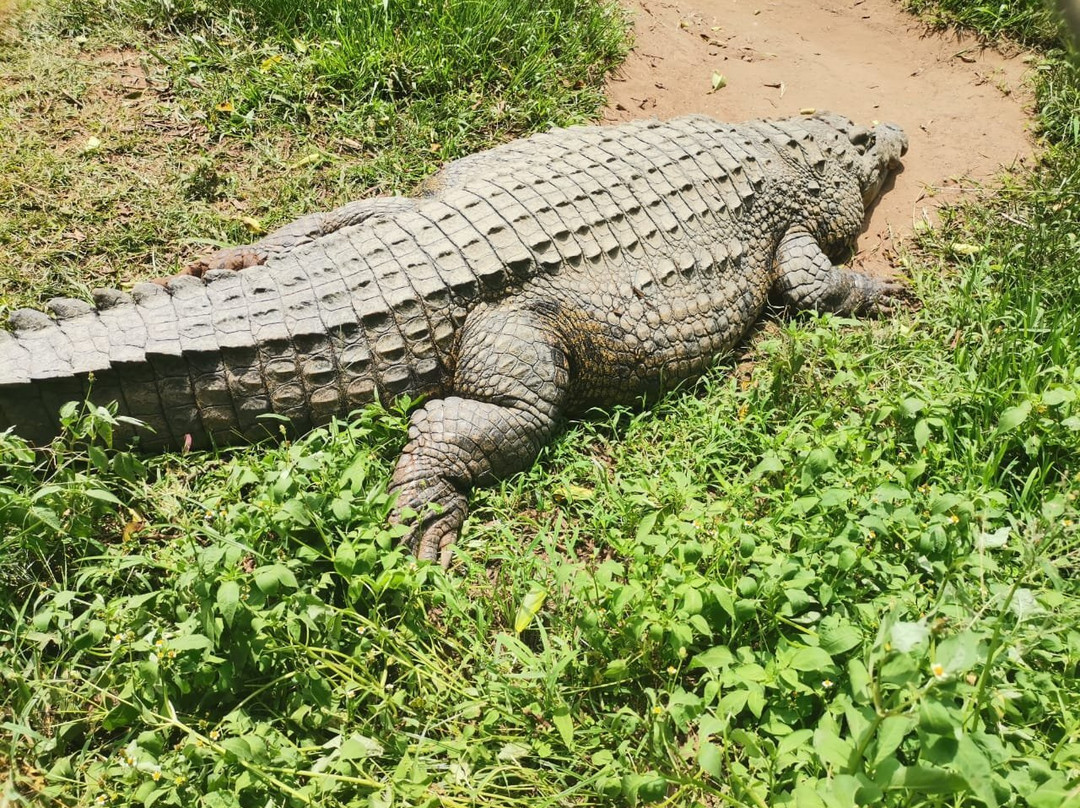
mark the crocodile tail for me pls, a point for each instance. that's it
(196, 361)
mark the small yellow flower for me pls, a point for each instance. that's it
(657, 710)
(827, 683)
(156, 775)
(214, 735)
(179, 780)
(954, 518)
(672, 670)
(938, 670)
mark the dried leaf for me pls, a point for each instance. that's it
(269, 63)
(314, 157)
(252, 224)
(530, 607)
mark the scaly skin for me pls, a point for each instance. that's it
(583, 267)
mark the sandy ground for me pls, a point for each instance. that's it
(965, 108)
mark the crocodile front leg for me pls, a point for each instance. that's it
(511, 380)
(808, 280)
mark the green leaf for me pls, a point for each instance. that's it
(715, 659)
(1024, 604)
(95, 632)
(935, 717)
(748, 741)
(831, 748)
(732, 702)
(564, 724)
(711, 759)
(928, 780)
(101, 460)
(976, 769)
(958, 653)
(359, 747)
(692, 602)
(511, 752)
(798, 599)
(102, 495)
(755, 700)
(189, 642)
(220, 799)
(890, 734)
(345, 559)
(900, 669)
(530, 606)
(912, 406)
(684, 707)
(769, 464)
(1013, 417)
(1054, 795)
(1058, 395)
(645, 788)
(808, 658)
(817, 463)
(616, 670)
(859, 677)
(806, 796)
(907, 636)
(228, 599)
(838, 635)
(236, 747)
(48, 517)
(272, 577)
(793, 742)
(922, 433)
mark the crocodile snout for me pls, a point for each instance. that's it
(881, 149)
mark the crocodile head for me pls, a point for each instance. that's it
(877, 152)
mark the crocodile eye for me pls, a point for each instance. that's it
(863, 139)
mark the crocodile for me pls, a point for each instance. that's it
(583, 267)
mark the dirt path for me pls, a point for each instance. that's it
(964, 108)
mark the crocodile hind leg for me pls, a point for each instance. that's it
(510, 382)
(296, 234)
(808, 280)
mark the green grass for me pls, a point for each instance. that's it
(1032, 22)
(135, 135)
(841, 573)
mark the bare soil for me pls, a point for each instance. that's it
(965, 107)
